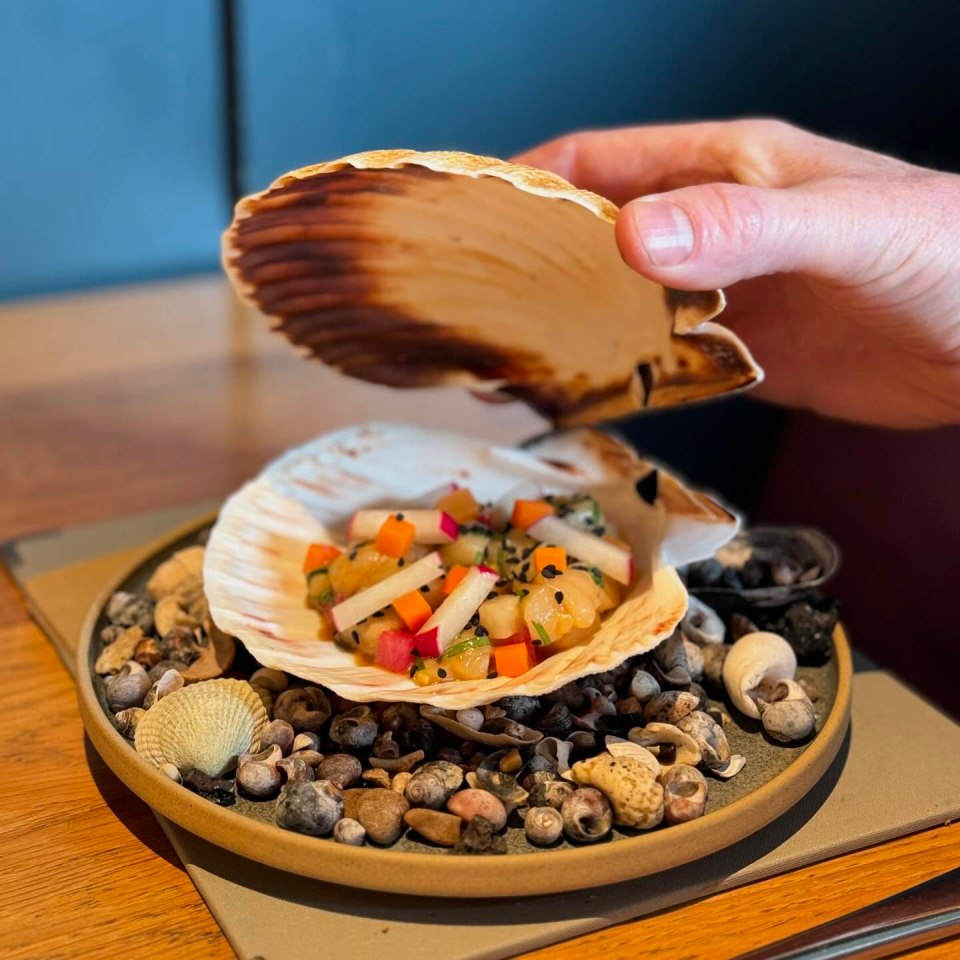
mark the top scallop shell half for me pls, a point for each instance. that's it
(417, 269)
(254, 557)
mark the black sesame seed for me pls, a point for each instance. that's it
(399, 516)
(379, 613)
(549, 572)
(352, 556)
(425, 588)
(492, 675)
(481, 631)
(558, 596)
(536, 643)
(600, 531)
(441, 673)
(491, 594)
(356, 636)
(475, 619)
(413, 670)
(401, 562)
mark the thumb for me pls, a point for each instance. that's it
(719, 233)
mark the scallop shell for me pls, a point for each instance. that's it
(205, 727)
(416, 269)
(255, 552)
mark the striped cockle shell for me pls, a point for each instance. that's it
(420, 269)
(204, 726)
(253, 569)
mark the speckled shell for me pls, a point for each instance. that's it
(253, 569)
(205, 727)
(415, 269)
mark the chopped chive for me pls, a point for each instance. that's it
(597, 576)
(597, 515)
(541, 633)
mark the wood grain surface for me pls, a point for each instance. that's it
(96, 420)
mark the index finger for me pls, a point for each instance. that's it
(625, 163)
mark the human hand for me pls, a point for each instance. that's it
(844, 264)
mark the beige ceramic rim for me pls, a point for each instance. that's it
(436, 874)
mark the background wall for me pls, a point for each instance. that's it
(129, 125)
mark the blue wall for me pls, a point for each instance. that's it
(113, 165)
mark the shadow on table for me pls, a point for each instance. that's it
(128, 808)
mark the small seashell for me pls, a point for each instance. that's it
(275, 681)
(304, 741)
(400, 764)
(570, 695)
(556, 751)
(258, 774)
(709, 736)
(543, 825)
(202, 727)
(629, 785)
(296, 768)
(394, 717)
(741, 625)
(479, 837)
(148, 653)
(470, 717)
(587, 815)
(670, 706)
(304, 708)
(581, 742)
(679, 660)
(176, 573)
(557, 721)
(130, 610)
(312, 808)
(550, 793)
(753, 660)
(435, 826)
(341, 769)
(110, 633)
(643, 686)
(170, 770)
(400, 780)
(168, 614)
(490, 776)
(451, 755)
(350, 832)
(702, 624)
(729, 769)
(521, 709)
(498, 732)
(128, 687)
(789, 716)
(279, 732)
(213, 658)
(381, 812)
(127, 720)
(656, 736)
(470, 803)
(433, 783)
(181, 645)
(171, 681)
(627, 748)
(375, 777)
(161, 668)
(112, 658)
(385, 747)
(357, 728)
(216, 790)
(684, 794)
(312, 758)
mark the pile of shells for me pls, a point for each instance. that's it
(634, 748)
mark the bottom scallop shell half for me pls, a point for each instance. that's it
(253, 564)
(204, 726)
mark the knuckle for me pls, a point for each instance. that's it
(731, 219)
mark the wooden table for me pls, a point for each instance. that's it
(142, 398)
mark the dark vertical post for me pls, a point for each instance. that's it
(231, 100)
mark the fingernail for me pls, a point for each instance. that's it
(664, 230)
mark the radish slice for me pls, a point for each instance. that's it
(354, 609)
(455, 612)
(607, 557)
(432, 526)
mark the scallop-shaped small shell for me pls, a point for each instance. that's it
(203, 727)
(755, 659)
(627, 748)
(446, 719)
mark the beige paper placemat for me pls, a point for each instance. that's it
(866, 798)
